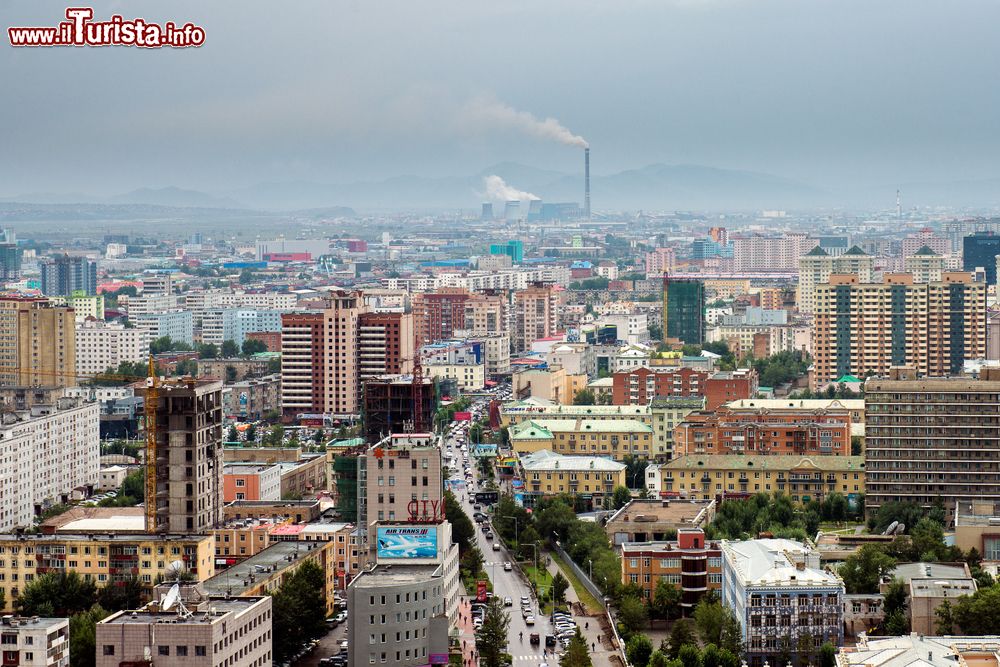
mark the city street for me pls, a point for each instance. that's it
(505, 584)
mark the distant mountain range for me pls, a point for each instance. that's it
(656, 186)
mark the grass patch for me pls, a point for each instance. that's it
(543, 581)
(589, 601)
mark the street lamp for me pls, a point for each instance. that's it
(516, 519)
(590, 568)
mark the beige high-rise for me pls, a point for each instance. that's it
(535, 315)
(816, 267)
(37, 343)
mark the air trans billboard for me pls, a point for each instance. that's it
(407, 542)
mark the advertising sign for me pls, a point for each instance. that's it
(481, 590)
(406, 542)
(463, 416)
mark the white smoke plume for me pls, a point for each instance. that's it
(498, 190)
(485, 109)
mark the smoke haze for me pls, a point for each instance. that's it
(497, 190)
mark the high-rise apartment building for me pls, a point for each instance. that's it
(660, 261)
(436, 315)
(932, 440)
(816, 267)
(37, 343)
(925, 265)
(319, 357)
(535, 314)
(860, 329)
(385, 345)
(188, 456)
(485, 314)
(62, 275)
(981, 250)
(10, 255)
(177, 324)
(684, 309)
(161, 282)
(103, 345)
(770, 253)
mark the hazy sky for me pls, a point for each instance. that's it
(828, 92)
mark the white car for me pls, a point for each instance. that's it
(496, 546)
(529, 620)
(507, 566)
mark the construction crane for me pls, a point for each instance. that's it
(150, 404)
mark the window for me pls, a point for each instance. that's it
(163, 650)
(199, 651)
(109, 649)
(181, 651)
(241, 482)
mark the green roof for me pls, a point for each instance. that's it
(816, 252)
(529, 430)
(925, 252)
(855, 250)
(848, 378)
(768, 462)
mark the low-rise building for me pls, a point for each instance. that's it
(251, 399)
(599, 437)
(592, 478)
(34, 642)
(469, 377)
(251, 481)
(553, 384)
(656, 520)
(781, 598)
(297, 511)
(689, 563)
(803, 478)
(914, 648)
(667, 412)
(304, 476)
(515, 412)
(220, 630)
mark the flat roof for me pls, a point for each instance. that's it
(547, 460)
(798, 403)
(220, 605)
(238, 468)
(660, 511)
(765, 462)
(263, 565)
(388, 575)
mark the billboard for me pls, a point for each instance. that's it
(463, 417)
(481, 591)
(406, 542)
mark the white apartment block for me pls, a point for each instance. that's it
(48, 455)
(178, 324)
(103, 345)
(816, 266)
(218, 631)
(218, 326)
(770, 253)
(140, 306)
(35, 642)
(468, 376)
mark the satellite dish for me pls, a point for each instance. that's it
(176, 567)
(170, 599)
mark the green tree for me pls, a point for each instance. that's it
(56, 594)
(253, 346)
(207, 350)
(229, 349)
(827, 655)
(665, 603)
(689, 655)
(979, 613)
(638, 649)
(804, 649)
(945, 619)
(658, 659)
(621, 497)
(121, 595)
(584, 397)
(251, 433)
(275, 436)
(319, 438)
(559, 587)
(784, 651)
(632, 614)
(299, 609)
(491, 638)
(463, 533)
(863, 571)
(927, 537)
(681, 634)
(232, 435)
(576, 654)
(909, 514)
(709, 619)
(554, 516)
(83, 636)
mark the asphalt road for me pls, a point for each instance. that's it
(506, 584)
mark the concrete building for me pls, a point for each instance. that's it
(103, 345)
(740, 476)
(653, 520)
(517, 412)
(437, 315)
(613, 438)
(660, 261)
(35, 642)
(178, 324)
(911, 649)
(189, 455)
(925, 265)
(216, 631)
(535, 315)
(553, 385)
(666, 413)
(468, 377)
(861, 329)
(49, 454)
(37, 343)
(816, 267)
(218, 326)
(690, 564)
(139, 306)
(770, 253)
(781, 598)
(10, 256)
(931, 440)
(576, 358)
(250, 481)
(684, 310)
(392, 403)
(86, 305)
(980, 250)
(250, 400)
(641, 385)
(62, 275)
(497, 352)
(592, 478)
(160, 282)
(385, 345)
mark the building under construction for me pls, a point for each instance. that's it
(392, 403)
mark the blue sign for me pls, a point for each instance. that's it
(406, 542)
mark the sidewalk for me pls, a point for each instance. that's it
(605, 653)
(466, 633)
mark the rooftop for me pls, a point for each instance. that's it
(778, 562)
(31, 622)
(264, 564)
(576, 410)
(547, 460)
(908, 571)
(915, 650)
(798, 404)
(675, 512)
(544, 428)
(766, 462)
(220, 608)
(382, 576)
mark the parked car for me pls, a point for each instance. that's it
(496, 546)
(507, 602)
(529, 620)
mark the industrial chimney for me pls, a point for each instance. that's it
(586, 182)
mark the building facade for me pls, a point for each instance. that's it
(684, 310)
(980, 250)
(535, 315)
(592, 478)
(690, 564)
(34, 642)
(37, 343)
(816, 267)
(62, 275)
(614, 438)
(104, 345)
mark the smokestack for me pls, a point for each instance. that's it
(586, 181)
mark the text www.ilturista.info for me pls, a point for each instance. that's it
(80, 30)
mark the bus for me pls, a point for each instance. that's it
(486, 497)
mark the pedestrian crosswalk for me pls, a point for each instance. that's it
(536, 659)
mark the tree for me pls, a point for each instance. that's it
(945, 619)
(709, 619)
(666, 599)
(275, 436)
(491, 638)
(319, 437)
(621, 497)
(804, 648)
(658, 659)
(253, 346)
(827, 655)
(299, 609)
(83, 636)
(463, 533)
(559, 587)
(229, 349)
(584, 397)
(576, 654)
(927, 537)
(231, 374)
(863, 571)
(908, 514)
(187, 367)
(979, 613)
(689, 655)
(896, 621)
(121, 595)
(56, 594)
(207, 350)
(638, 649)
(232, 435)
(251, 433)
(681, 634)
(632, 614)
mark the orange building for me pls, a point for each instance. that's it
(688, 563)
(640, 385)
(730, 430)
(728, 386)
(251, 481)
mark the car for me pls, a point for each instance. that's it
(507, 602)
(496, 546)
(534, 639)
(507, 566)
(477, 507)
(550, 640)
(477, 622)
(343, 644)
(529, 620)
(489, 535)
(525, 600)
(341, 617)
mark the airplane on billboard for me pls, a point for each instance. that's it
(404, 546)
